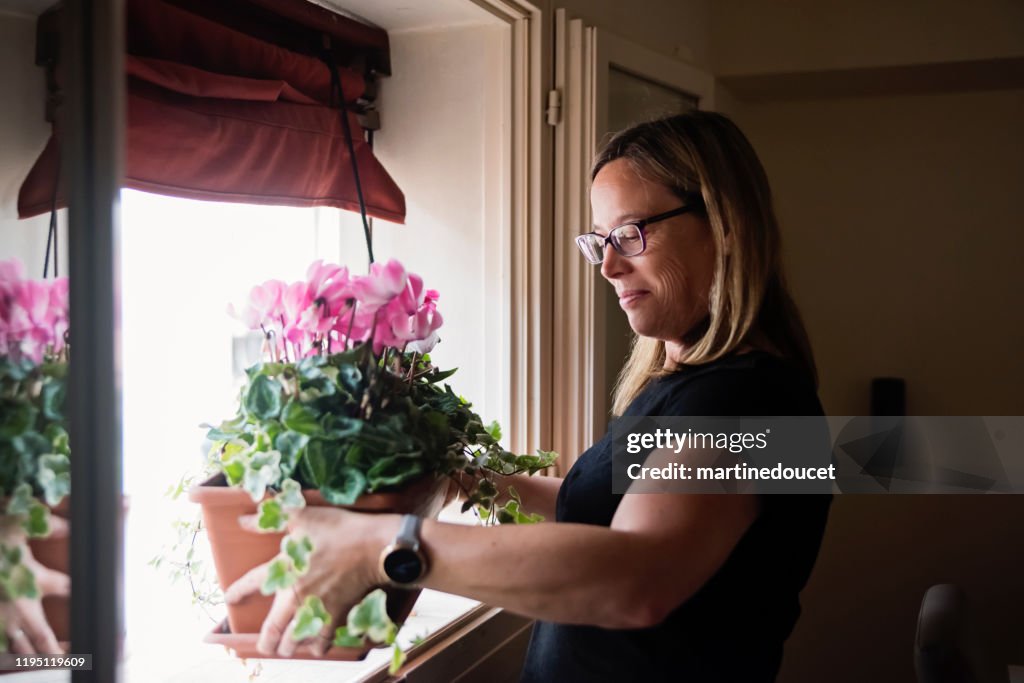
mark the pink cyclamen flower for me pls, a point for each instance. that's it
(383, 284)
(264, 306)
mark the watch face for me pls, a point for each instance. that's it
(403, 565)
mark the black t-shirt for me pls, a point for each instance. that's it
(734, 627)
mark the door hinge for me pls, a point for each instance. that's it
(554, 110)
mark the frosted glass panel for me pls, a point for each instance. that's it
(632, 99)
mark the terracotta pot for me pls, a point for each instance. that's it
(236, 550)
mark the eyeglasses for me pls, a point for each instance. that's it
(627, 239)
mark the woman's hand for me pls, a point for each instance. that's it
(342, 570)
(28, 632)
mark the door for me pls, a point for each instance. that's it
(602, 84)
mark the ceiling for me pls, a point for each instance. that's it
(411, 15)
(392, 15)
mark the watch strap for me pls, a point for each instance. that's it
(409, 531)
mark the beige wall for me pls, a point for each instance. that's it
(753, 36)
(903, 232)
(23, 133)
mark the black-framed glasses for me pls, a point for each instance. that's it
(627, 239)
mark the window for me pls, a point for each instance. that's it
(183, 261)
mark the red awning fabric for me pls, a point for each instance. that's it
(218, 115)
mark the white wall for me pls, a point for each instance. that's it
(442, 117)
(23, 134)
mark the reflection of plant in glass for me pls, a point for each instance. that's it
(33, 364)
(348, 402)
(34, 446)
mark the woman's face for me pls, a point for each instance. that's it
(664, 291)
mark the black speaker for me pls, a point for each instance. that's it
(888, 396)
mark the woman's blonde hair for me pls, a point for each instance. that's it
(704, 152)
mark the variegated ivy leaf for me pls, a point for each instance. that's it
(397, 659)
(54, 477)
(21, 500)
(234, 470)
(290, 496)
(16, 581)
(271, 516)
(310, 618)
(260, 472)
(280, 575)
(298, 551)
(37, 522)
(370, 618)
(342, 638)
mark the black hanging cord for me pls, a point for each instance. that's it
(51, 236)
(336, 90)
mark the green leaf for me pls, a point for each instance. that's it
(349, 377)
(263, 399)
(301, 418)
(392, 471)
(346, 485)
(16, 417)
(260, 472)
(291, 445)
(234, 470)
(52, 397)
(280, 575)
(37, 523)
(321, 458)
(494, 430)
(21, 500)
(341, 427)
(268, 369)
(18, 582)
(342, 638)
(58, 438)
(298, 551)
(271, 516)
(310, 618)
(54, 477)
(397, 659)
(439, 375)
(31, 444)
(290, 497)
(370, 618)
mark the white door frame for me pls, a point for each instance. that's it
(584, 55)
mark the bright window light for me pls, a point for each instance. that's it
(183, 262)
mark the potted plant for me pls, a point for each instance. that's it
(35, 475)
(346, 409)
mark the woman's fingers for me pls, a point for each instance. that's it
(18, 641)
(287, 646)
(51, 581)
(34, 625)
(322, 643)
(59, 527)
(281, 613)
(247, 585)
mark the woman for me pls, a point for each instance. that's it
(639, 587)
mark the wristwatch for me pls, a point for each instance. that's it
(403, 562)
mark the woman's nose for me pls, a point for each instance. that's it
(613, 264)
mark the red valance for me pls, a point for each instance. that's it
(216, 114)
